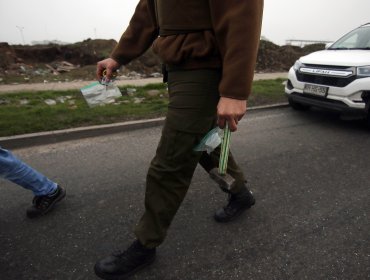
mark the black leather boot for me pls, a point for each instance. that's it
(121, 265)
(238, 203)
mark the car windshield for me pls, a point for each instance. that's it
(358, 39)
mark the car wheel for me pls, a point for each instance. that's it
(298, 106)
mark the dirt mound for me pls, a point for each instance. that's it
(274, 58)
(82, 53)
(38, 62)
(8, 56)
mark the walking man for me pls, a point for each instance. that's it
(209, 48)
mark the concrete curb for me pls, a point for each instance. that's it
(56, 136)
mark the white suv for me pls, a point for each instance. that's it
(337, 78)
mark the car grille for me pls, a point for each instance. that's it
(323, 79)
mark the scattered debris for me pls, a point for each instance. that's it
(138, 100)
(156, 75)
(54, 71)
(65, 66)
(61, 67)
(50, 102)
(77, 61)
(130, 91)
(61, 99)
(153, 92)
(24, 102)
(4, 102)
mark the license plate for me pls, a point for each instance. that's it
(315, 90)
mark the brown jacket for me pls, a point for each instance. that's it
(232, 44)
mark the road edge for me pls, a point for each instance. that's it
(57, 136)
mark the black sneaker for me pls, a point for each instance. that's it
(121, 265)
(45, 203)
(238, 203)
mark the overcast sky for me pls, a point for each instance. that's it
(75, 20)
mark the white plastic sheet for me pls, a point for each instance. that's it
(97, 94)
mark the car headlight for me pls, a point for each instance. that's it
(363, 71)
(297, 65)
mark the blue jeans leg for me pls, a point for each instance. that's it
(15, 170)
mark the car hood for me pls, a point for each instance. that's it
(338, 58)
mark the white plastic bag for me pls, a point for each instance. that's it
(97, 94)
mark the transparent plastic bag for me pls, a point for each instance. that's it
(97, 94)
(211, 141)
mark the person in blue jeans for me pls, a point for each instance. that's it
(47, 193)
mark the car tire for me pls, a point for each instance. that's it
(298, 106)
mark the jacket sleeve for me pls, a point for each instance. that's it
(237, 26)
(139, 35)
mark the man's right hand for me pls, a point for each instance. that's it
(108, 64)
(230, 111)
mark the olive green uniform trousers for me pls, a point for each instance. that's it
(192, 112)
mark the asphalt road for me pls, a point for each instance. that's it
(309, 172)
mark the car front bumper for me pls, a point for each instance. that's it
(342, 99)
